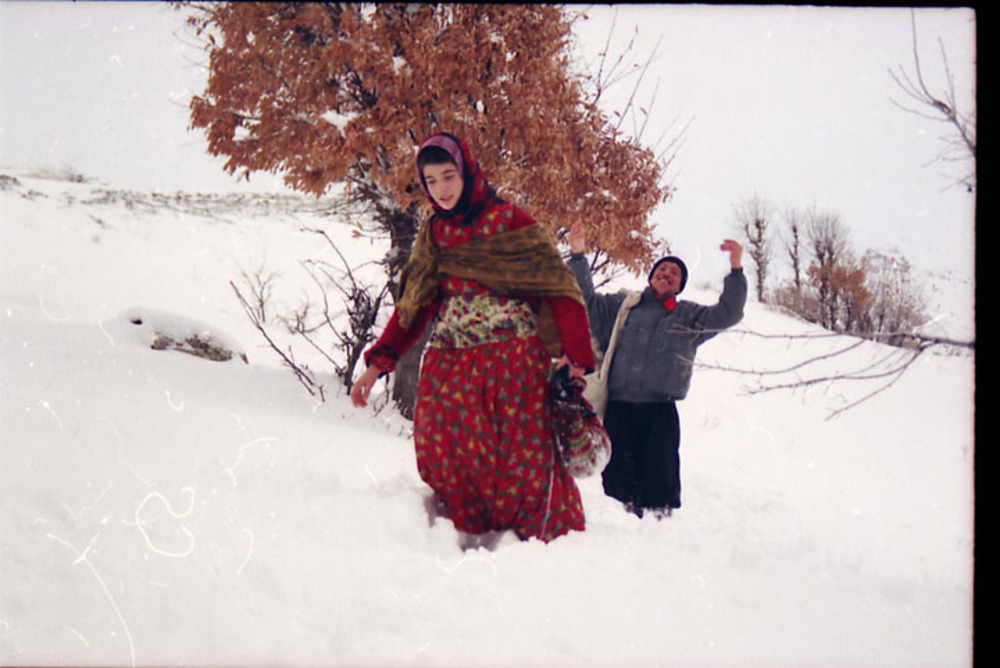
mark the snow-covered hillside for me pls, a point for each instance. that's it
(163, 509)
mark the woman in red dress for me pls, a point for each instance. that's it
(502, 304)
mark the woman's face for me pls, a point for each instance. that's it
(444, 183)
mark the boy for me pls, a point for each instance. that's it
(651, 371)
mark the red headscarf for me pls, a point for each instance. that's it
(476, 190)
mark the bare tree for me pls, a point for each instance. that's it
(940, 105)
(753, 218)
(794, 221)
(827, 241)
(897, 306)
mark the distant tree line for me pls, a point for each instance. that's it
(874, 294)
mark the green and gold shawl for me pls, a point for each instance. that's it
(523, 261)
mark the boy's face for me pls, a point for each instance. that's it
(444, 183)
(666, 279)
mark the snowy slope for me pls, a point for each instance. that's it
(163, 509)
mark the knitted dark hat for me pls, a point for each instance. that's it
(679, 262)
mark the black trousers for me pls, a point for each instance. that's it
(645, 466)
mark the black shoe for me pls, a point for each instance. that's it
(634, 509)
(660, 513)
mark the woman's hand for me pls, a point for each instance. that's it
(363, 386)
(574, 370)
(577, 238)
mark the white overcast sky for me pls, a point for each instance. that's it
(790, 104)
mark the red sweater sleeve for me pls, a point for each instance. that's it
(574, 331)
(570, 317)
(396, 339)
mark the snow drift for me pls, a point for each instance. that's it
(160, 508)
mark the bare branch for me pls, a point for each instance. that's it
(303, 375)
(960, 145)
(888, 367)
(361, 309)
(261, 285)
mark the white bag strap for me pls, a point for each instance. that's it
(631, 299)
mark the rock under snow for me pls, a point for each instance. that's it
(167, 331)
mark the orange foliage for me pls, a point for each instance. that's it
(844, 297)
(324, 93)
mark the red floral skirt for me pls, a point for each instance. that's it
(484, 441)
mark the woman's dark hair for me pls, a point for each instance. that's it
(434, 155)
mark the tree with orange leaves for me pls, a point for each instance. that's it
(342, 93)
(329, 93)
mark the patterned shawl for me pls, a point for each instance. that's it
(522, 262)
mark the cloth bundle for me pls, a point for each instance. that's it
(583, 443)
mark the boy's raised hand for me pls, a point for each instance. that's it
(735, 251)
(577, 237)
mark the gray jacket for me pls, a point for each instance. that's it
(655, 353)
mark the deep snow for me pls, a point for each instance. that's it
(163, 509)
